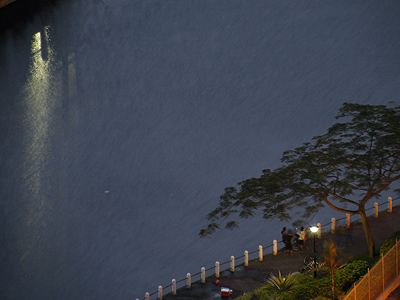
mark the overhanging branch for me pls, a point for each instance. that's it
(343, 210)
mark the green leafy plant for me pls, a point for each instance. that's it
(280, 284)
(390, 242)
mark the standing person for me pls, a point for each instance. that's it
(284, 233)
(302, 238)
(287, 240)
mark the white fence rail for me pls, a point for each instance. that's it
(230, 264)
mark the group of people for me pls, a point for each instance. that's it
(288, 238)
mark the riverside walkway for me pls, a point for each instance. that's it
(246, 279)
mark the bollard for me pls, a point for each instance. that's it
(217, 269)
(333, 225)
(160, 292)
(348, 220)
(319, 230)
(246, 258)
(203, 275)
(189, 280)
(397, 258)
(260, 250)
(376, 209)
(147, 295)
(275, 247)
(173, 287)
(390, 204)
(232, 263)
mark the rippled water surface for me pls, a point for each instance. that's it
(123, 121)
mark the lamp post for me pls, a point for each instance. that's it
(314, 230)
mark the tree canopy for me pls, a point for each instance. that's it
(354, 162)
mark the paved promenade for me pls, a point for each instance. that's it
(246, 279)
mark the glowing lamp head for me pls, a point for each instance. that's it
(314, 229)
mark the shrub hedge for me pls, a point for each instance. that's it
(389, 243)
(310, 288)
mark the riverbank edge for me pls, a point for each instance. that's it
(247, 279)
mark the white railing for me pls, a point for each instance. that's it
(215, 270)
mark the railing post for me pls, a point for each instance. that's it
(376, 209)
(319, 230)
(203, 275)
(147, 295)
(383, 275)
(260, 253)
(397, 258)
(333, 225)
(246, 258)
(369, 285)
(348, 220)
(232, 263)
(173, 287)
(355, 291)
(189, 280)
(217, 269)
(275, 247)
(160, 292)
(390, 204)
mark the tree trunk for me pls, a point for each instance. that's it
(368, 233)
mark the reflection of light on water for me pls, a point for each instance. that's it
(71, 75)
(40, 97)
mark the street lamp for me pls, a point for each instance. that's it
(314, 230)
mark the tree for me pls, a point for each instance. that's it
(354, 162)
(331, 262)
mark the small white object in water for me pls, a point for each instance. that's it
(106, 192)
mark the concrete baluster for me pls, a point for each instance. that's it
(189, 280)
(160, 292)
(246, 258)
(275, 247)
(173, 287)
(260, 255)
(217, 269)
(232, 263)
(203, 275)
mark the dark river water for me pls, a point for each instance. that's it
(122, 121)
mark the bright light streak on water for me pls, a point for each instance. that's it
(163, 105)
(40, 96)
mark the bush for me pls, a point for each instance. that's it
(390, 242)
(370, 260)
(310, 288)
(344, 279)
(321, 288)
(255, 295)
